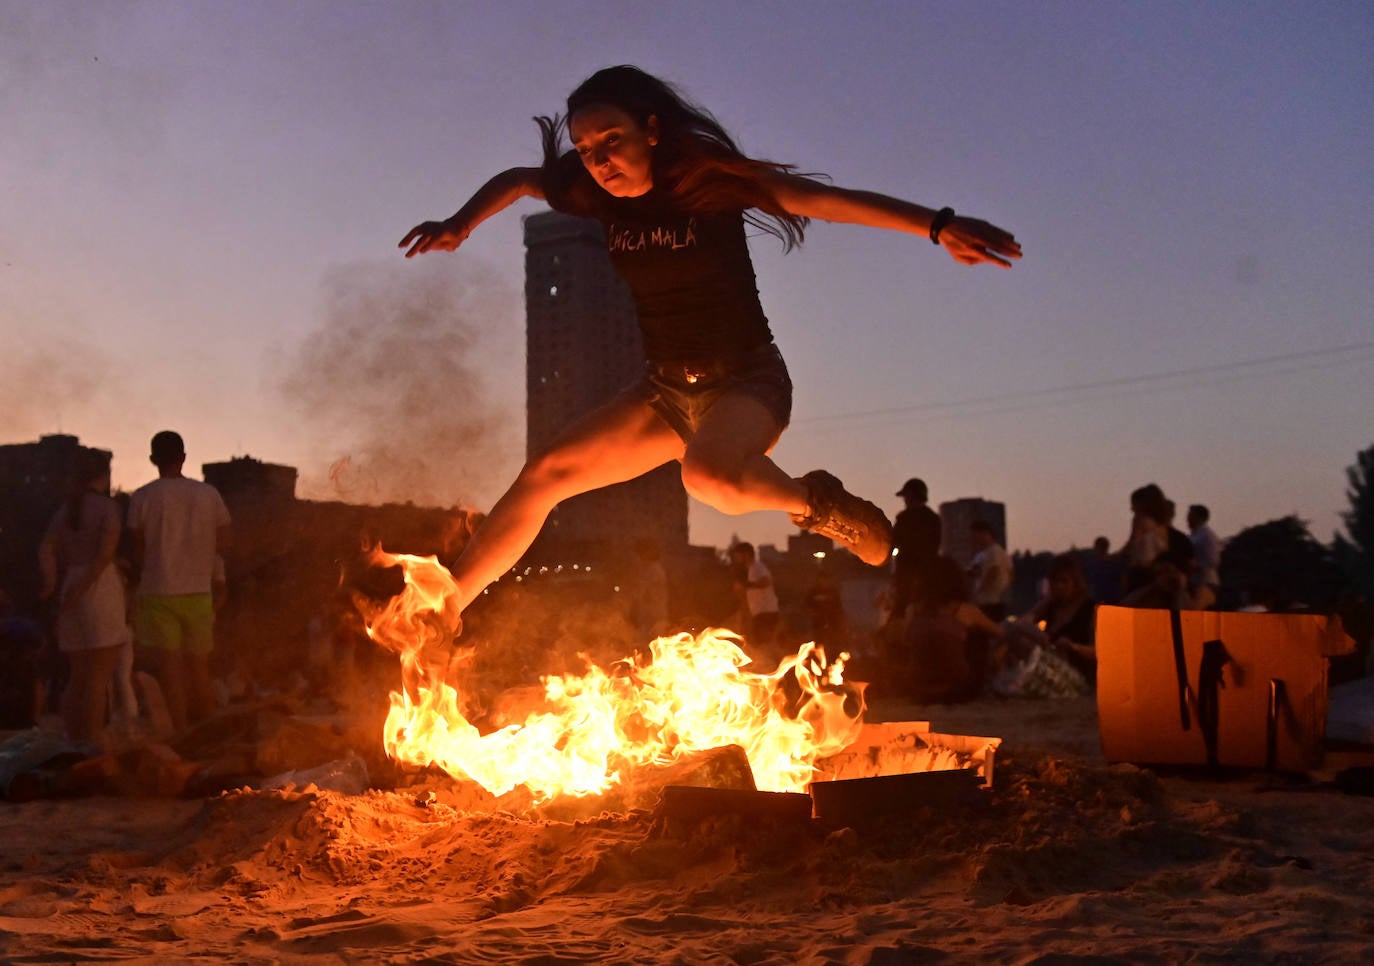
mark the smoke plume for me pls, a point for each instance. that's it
(47, 385)
(392, 386)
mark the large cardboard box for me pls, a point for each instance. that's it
(1169, 693)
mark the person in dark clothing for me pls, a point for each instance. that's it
(23, 682)
(1180, 545)
(948, 638)
(1067, 616)
(1105, 572)
(1050, 651)
(1149, 535)
(674, 194)
(916, 544)
(1168, 590)
(824, 606)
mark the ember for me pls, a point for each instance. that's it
(590, 732)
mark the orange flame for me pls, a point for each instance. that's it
(691, 694)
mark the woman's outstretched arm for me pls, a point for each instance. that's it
(498, 194)
(968, 240)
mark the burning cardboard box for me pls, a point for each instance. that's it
(899, 766)
(892, 768)
(671, 712)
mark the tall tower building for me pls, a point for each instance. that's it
(582, 348)
(34, 478)
(957, 516)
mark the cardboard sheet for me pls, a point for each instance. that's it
(909, 747)
(1146, 717)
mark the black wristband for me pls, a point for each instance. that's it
(937, 224)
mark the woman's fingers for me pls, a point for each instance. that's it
(973, 241)
(419, 236)
(427, 237)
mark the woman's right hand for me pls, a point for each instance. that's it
(972, 241)
(434, 236)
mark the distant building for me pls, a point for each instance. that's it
(33, 481)
(244, 478)
(582, 348)
(957, 516)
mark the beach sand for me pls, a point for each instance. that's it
(1066, 860)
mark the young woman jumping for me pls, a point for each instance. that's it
(674, 193)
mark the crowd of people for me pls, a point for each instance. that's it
(948, 635)
(138, 588)
(125, 590)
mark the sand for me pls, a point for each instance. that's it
(1067, 860)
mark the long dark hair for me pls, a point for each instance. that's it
(90, 466)
(695, 160)
(1150, 500)
(1068, 565)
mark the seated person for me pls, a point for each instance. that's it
(1167, 589)
(1066, 616)
(947, 639)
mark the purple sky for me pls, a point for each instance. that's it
(201, 205)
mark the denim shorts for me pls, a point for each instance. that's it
(682, 393)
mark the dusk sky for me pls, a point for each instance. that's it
(201, 205)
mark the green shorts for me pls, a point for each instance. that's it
(176, 622)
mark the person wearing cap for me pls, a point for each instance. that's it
(916, 545)
(178, 527)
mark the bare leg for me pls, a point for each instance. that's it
(83, 703)
(122, 690)
(73, 718)
(618, 442)
(200, 691)
(171, 675)
(726, 464)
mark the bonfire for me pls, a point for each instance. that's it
(591, 732)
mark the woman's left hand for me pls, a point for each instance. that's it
(972, 240)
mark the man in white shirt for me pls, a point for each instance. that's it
(1205, 578)
(178, 527)
(754, 582)
(991, 571)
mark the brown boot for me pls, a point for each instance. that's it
(855, 524)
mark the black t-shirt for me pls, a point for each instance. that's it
(689, 273)
(1181, 548)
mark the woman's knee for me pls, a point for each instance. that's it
(715, 482)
